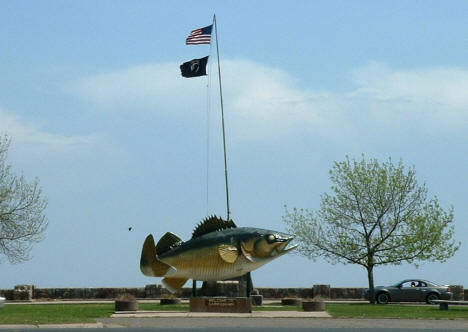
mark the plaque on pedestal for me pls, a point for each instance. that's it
(221, 304)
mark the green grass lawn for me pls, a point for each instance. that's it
(87, 313)
(69, 313)
(53, 313)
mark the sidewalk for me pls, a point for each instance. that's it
(114, 322)
(184, 301)
(254, 314)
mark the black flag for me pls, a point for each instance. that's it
(194, 68)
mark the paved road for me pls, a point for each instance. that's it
(258, 325)
(240, 324)
(214, 324)
(235, 330)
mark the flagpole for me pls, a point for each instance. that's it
(222, 120)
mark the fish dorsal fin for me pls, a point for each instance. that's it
(212, 224)
(167, 242)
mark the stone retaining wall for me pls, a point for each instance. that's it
(30, 292)
(346, 293)
(148, 292)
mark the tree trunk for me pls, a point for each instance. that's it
(370, 278)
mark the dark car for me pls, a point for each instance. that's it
(410, 290)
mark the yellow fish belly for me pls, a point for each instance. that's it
(206, 264)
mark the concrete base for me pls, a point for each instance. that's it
(291, 301)
(169, 301)
(255, 314)
(257, 299)
(313, 305)
(126, 305)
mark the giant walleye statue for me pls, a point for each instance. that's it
(218, 250)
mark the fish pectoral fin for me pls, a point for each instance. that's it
(249, 256)
(174, 284)
(228, 253)
(246, 252)
(150, 265)
(252, 258)
(248, 246)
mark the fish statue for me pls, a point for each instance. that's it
(218, 250)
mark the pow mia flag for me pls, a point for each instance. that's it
(194, 68)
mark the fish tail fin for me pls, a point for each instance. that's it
(150, 265)
(174, 284)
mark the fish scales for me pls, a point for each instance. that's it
(212, 254)
(202, 264)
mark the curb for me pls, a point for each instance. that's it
(255, 314)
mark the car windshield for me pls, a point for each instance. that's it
(419, 283)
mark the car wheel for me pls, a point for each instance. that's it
(431, 297)
(383, 298)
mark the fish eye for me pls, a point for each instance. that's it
(270, 238)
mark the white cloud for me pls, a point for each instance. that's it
(264, 102)
(437, 96)
(152, 87)
(445, 86)
(267, 102)
(31, 138)
(259, 100)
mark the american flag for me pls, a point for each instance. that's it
(200, 36)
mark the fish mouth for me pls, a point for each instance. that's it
(282, 247)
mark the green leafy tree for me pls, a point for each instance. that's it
(376, 214)
(22, 219)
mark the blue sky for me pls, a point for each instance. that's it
(92, 97)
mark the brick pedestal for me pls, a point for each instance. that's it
(23, 292)
(322, 291)
(458, 292)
